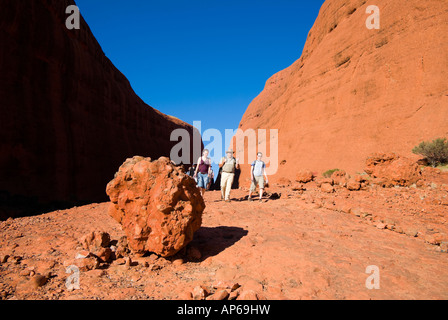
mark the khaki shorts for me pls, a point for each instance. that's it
(258, 181)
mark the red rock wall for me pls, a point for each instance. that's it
(356, 91)
(69, 118)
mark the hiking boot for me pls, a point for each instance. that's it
(250, 199)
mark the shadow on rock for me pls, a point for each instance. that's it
(212, 241)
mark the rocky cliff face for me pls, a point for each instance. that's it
(356, 91)
(69, 118)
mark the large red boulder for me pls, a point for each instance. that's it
(391, 169)
(158, 206)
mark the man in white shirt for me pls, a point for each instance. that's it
(228, 165)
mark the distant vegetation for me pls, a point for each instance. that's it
(436, 151)
(328, 173)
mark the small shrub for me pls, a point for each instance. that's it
(328, 173)
(436, 152)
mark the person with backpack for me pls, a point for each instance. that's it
(204, 166)
(228, 166)
(257, 171)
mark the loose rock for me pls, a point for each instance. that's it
(158, 205)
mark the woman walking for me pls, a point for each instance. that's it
(204, 167)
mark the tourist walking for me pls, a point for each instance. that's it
(204, 166)
(257, 174)
(228, 166)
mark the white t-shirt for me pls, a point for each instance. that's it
(258, 167)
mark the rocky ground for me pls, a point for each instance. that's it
(298, 243)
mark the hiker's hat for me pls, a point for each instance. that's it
(230, 151)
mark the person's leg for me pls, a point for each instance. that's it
(224, 177)
(201, 183)
(229, 185)
(224, 185)
(252, 189)
(198, 181)
(260, 181)
(205, 184)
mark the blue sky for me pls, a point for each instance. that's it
(200, 60)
